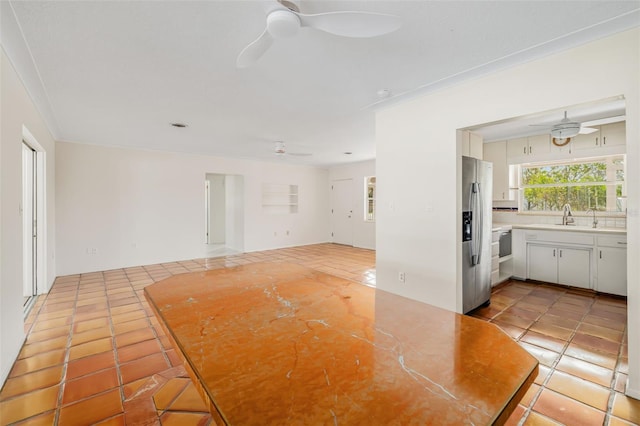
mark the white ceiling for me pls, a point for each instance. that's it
(119, 72)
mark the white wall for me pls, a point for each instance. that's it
(418, 165)
(364, 233)
(18, 112)
(142, 207)
(234, 235)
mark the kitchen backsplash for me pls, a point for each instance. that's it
(511, 217)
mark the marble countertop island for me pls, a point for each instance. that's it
(277, 343)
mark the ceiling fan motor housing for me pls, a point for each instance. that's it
(565, 130)
(283, 23)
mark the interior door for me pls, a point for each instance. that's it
(29, 232)
(342, 211)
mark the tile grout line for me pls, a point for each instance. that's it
(588, 310)
(63, 378)
(113, 343)
(613, 391)
(552, 368)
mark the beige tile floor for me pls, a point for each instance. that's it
(95, 354)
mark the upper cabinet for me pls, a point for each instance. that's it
(608, 136)
(528, 147)
(471, 144)
(496, 152)
(608, 139)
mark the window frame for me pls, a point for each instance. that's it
(370, 198)
(611, 182)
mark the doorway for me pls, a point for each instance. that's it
(30, 207)
(342, 211)
(224, 214)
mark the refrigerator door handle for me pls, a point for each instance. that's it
(473, 205)
(480, 226)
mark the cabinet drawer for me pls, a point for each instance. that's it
(495, 263)
(612, 241)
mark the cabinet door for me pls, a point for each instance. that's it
(538, 144)
(613, 134)
(465, 143)
(496, 152)
(475, 145)
(574, 267)
(517, 148)
(612, 270)
(590, 141)
(542, 263)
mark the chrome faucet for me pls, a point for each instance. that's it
(567, 218)
(595, 221)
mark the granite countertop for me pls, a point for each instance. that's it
(278, 343)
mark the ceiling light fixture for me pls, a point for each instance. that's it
(383, 93)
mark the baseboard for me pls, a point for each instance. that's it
(9, 361)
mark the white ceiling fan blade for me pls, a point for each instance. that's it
(352, 24)
(254, 50)
(587, 130)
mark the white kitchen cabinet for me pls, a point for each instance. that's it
(574, 267)
(517, 148)
(542, 263)
(496, 153)
(495, 252)
(539, 144)
(611, 258)
(472, 144)
(561, 255)
(531, 146)
(608, 136)
(612, 270)
(560, 265)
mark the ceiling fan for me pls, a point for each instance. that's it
(280, 149)
(286, 20)
(565, 129)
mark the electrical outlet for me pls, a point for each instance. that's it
(287, 232)
(401, 277)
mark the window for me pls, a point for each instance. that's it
(370, 198)
(590, 183)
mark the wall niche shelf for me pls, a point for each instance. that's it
(279, 198)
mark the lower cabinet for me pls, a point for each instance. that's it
(542, 263)
(574, 267)
(559, 265)
(597, 261)
(612, 270)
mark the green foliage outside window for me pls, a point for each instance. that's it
(583, 185)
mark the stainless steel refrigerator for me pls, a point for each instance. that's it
(477, 190)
